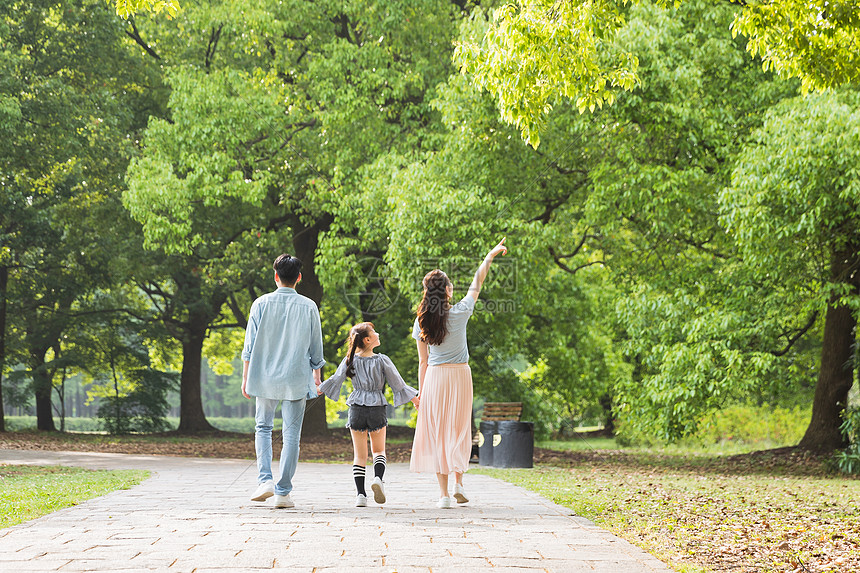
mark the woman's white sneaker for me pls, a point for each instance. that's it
(361, 500)
(444, 503)
(460, 493)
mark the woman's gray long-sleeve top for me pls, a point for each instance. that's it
(371, 374)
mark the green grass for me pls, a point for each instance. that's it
(683, 448)
(702, 515)
(578, 443)
(28, 492)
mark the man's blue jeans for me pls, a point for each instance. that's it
(292, 415)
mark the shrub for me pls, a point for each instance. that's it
(141, 410)
(749, 426)
(18, 423)
(848, 460)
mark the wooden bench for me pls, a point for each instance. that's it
(495, 411)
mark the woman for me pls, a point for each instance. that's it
(443, 437)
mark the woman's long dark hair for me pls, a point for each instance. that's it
(433, 308)
(357, 334)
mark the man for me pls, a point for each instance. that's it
(283, 355)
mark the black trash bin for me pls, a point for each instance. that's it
(516, 445)
(485, 443)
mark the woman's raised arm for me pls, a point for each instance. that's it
(484, 268)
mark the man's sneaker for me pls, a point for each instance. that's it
(264, 491)
(444, 503)
(361, 500)
(283, 501)
(460, 493)
(378, 490)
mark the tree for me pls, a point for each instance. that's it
(632, 189)
(698, 329)
(533, 55)
(111, 352)
(274, 109)
(792, 208)
(69, 100)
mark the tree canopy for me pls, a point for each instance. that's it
(128, 8)
(532, 55)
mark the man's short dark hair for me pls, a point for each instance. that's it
(288, 269)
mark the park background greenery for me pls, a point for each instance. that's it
(688, 248)
(677, 185)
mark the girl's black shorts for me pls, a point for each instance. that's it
(366, 418)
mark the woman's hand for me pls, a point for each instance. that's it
(500, 248)
(415, 401)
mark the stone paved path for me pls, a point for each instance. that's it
(195, 515)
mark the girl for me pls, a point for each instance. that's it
(369, 373)
(443, 441)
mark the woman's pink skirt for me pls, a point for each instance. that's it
(443, 434)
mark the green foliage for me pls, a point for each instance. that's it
(669, 252)
(733, 428)
(613, 225)
(128, 8)
(143, 409)
(795, 190)
(848, 459)
(275, 109)
(18, 423)
(72, 99)
(700, 326)
(806, 40)
(533, 55)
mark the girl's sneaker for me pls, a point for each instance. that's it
(444, 503)
(361, 500)
(460, 493)
(378, 490)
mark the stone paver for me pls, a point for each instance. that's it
(195, 515)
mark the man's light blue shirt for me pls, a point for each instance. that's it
(283, 345)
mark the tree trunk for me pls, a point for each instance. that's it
(4, 281)
(836, 373)
(305, 244)
(835, 378)
(608, 415)
(191, 416)
(43, 389)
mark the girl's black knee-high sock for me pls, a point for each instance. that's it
(358, 475)
(379, 466)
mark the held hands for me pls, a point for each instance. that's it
(415, 401)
